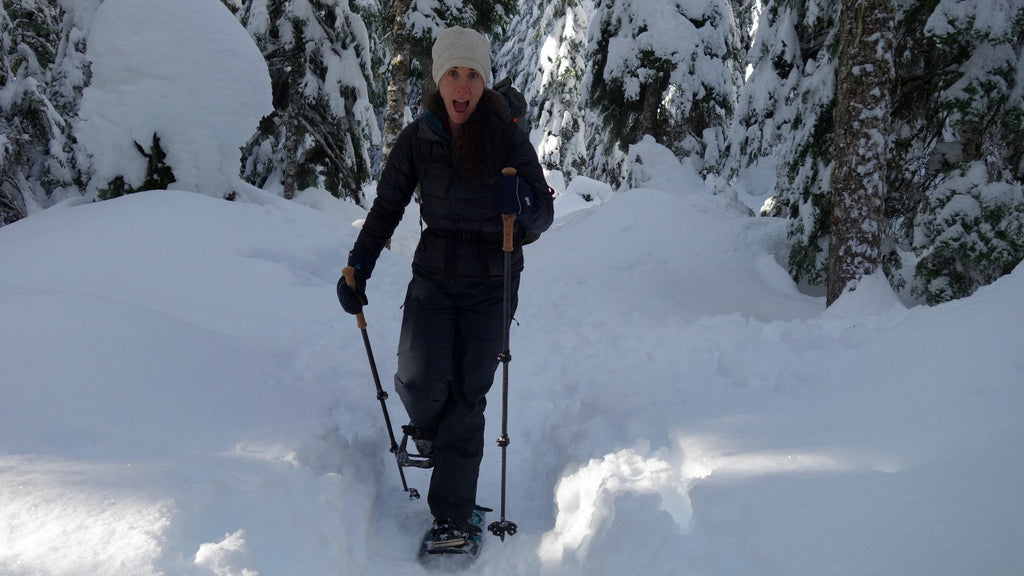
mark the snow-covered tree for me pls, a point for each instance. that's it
(544, 54)
(746, 13)
(70, 76)
(766, 104)
(957, 102)
(973, 228)
(37, 163)
(668, 68)
(864, 83)
(71, 70)
(323, 125)
(11, 203)
(965, 210)
(801, 53)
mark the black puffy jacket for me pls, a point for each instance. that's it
(463, 230)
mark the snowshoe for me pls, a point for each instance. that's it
(454, 537)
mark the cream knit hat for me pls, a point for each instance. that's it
(461, 47)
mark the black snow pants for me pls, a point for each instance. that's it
(448, 351)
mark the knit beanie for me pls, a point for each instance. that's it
(461, 47)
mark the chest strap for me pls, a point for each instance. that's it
(476, 236)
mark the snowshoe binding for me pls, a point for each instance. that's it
(424, 456)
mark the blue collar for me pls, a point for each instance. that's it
(436, 123)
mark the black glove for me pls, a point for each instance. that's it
(353, 299)
(514, 196)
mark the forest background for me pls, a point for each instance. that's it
(734, 87)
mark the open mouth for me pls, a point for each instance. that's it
(460, 106)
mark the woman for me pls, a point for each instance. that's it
(453, 319)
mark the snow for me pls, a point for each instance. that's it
(184, 70)
(182, 393)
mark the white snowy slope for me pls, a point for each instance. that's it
(180, 393)
(183, 395)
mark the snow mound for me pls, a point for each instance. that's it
(186, 71)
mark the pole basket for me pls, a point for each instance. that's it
(500, 529)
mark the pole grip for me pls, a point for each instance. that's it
(349, 273)
(508, 220)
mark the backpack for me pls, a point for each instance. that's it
(516, 103)
(517, 108)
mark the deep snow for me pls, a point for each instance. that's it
(189, 399)
(183, 395)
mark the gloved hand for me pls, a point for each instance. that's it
(514, 196)
(353, 299)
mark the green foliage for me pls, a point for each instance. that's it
(37, 146)
(159, 174)
(488, 16)
(809, 203)
(544, 52)
(808, 231)
(374, 19)
(971, 232)
(233, 5)
(261, 154)
(322, 131)
(681, 95)
(33, 26)
(114, 189)
(963, 136)
(801, 126)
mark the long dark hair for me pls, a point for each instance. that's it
(482, 142)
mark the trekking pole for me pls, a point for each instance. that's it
(503, 526)
(349, 274)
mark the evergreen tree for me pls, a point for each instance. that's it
(70, 167)
(957, 103)
(323, 126)
(801, 124)
(746, 14)
(34, 137)
(668, 68)
(543, 52)
(11, 204)
(72, 69)
(766, 105)
(963, 209)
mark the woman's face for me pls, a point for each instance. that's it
(461, 89)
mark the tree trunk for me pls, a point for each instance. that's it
(651, 106)
(398, 83)
(864, 77)
(293, 114)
